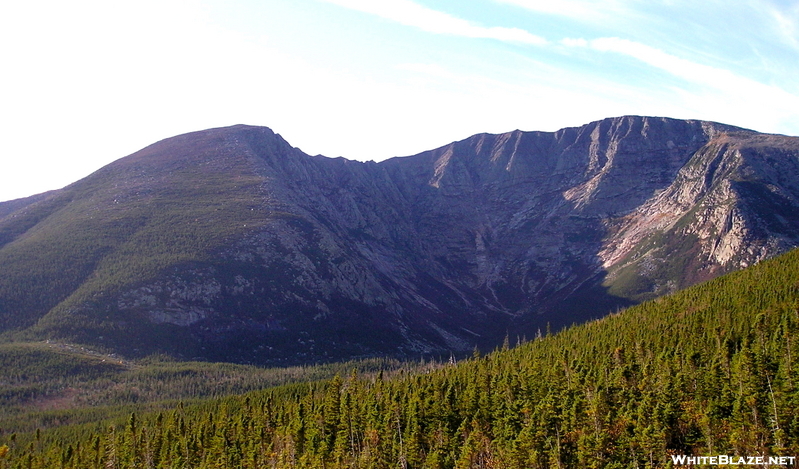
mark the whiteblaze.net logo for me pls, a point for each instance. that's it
(725, 460)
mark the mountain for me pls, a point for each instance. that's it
(229, 244)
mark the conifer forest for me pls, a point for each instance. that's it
(710, 370)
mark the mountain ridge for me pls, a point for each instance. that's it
(231, 244)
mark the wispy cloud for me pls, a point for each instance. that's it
(727, 92)
(787, 22)
(583, 10)
(693, 72)
(412, 14)
(718, 88)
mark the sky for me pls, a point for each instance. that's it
(85, 82)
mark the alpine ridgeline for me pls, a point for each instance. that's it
(229, 244)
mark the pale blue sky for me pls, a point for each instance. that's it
(86, 82)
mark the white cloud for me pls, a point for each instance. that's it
(572, 42)
(582, 10)
(412, 14)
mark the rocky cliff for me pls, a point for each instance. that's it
(230, 244)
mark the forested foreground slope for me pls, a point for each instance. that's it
(710, 370)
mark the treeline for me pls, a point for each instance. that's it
(52, 384)
(708, 371)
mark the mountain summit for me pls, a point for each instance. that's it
(229, 244)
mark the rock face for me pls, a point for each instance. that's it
(229, 244)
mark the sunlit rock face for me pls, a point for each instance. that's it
(230, 244)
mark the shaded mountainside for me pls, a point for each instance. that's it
(704, 372)
(229, 244)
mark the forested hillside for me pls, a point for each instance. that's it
(707, 371)
(43, 385)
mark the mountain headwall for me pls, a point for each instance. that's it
(230, 244)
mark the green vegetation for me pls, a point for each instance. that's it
(121, 226)
(707, 371)
(47, 384)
